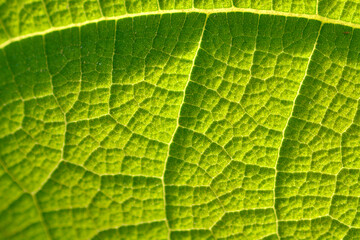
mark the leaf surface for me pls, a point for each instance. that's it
(179, 120)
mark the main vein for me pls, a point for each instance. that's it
(206, 11)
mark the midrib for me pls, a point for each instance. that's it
(206, 11)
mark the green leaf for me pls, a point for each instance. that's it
(179, 119)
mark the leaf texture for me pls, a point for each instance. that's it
(179, 120)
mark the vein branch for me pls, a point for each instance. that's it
(178, 117)
(287, 124)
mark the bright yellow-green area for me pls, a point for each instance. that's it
(179, 125)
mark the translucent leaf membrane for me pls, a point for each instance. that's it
(178, 126)
(318, 165)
